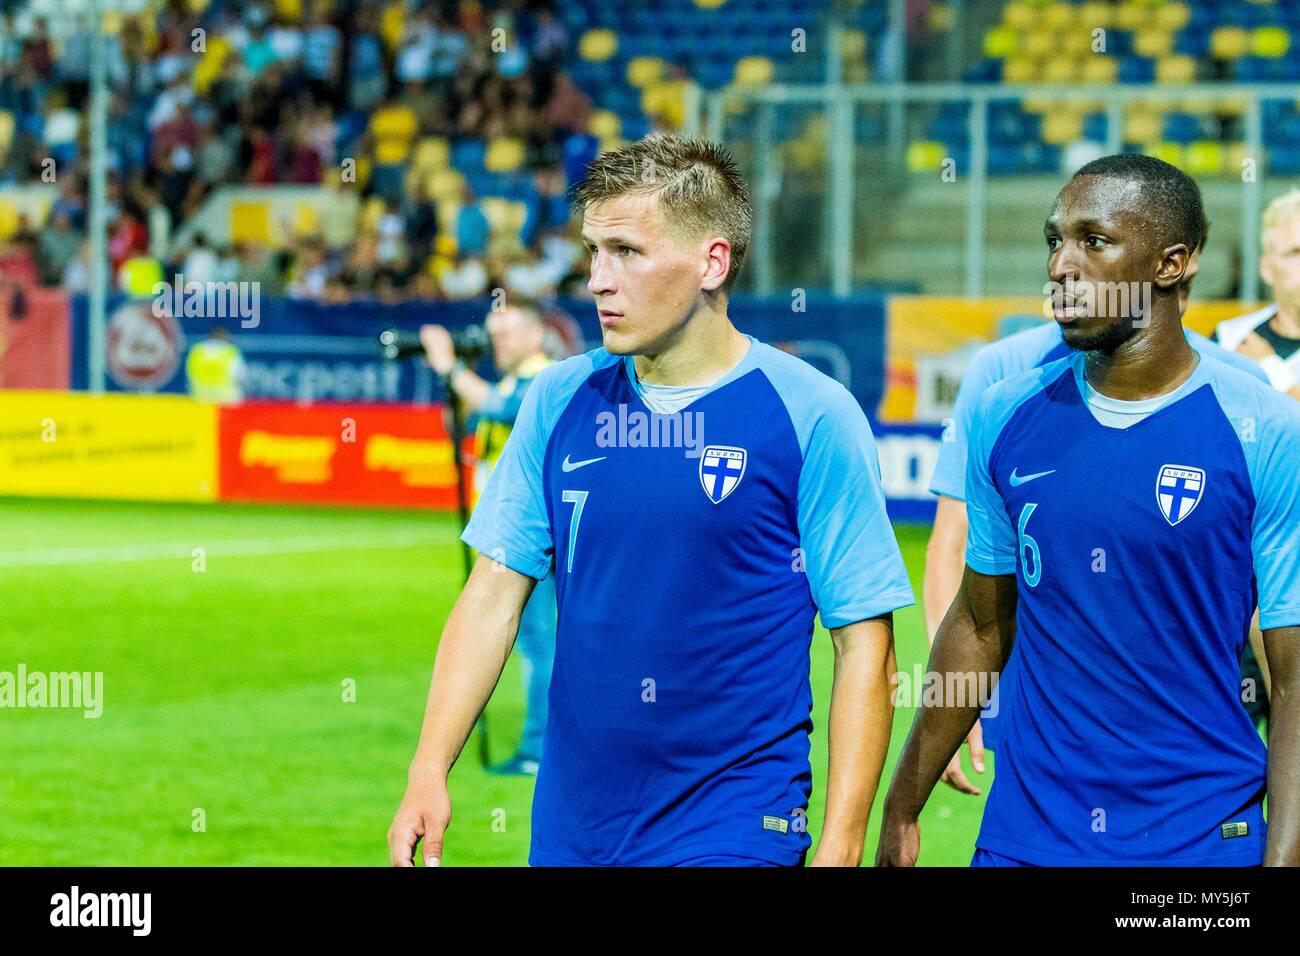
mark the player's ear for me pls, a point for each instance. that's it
(718, 264)
(1173, 265)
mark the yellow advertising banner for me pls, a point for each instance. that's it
(932, 325)
(75, 445)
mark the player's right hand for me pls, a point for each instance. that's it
(954, 776)
(424, 815)
(900, 840)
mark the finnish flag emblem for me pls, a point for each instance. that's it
(1178, 490)
(721, 468)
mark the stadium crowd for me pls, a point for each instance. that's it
(261, 94)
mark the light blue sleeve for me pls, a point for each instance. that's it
(1275, 529)
(855, 570)
(1216, 351)
(510, 524)
(990, 537)
(949, 478)
(989, 365)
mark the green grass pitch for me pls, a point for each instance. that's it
(225, 672)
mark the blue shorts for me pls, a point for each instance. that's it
(988, 858)
(726, 859)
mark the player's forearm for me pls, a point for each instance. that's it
(1283, 846)
(945, 560)
(861, 715)
(972, 647)
(475, 645)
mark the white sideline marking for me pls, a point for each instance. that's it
(231, 548)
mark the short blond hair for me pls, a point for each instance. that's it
(1279, 212)
(699, 188)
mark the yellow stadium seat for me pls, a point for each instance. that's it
(1022, 16)
(1100, 69)
(445, 184)
(1001, 42)
(1229, 43)
(1153, 43)
(853, 44)
(1060, 16)
(209, 66)
(924, 156)
(1232, 107)
(291, 10)
(1021, 69)
(1061, 70)
(1171, 153)
(6, 131)
(1132, 16)
(306, 220)
(940, 18)
(504, 155)
(448, 212)
(1075, 43)
(371, 213)
(1062, 127)
(1035, 104)
(1178, 68)
(1090, 16)
(1040, 44)
(494, 211)
(665, 102)
(8, 219)
(1172, 16)
(709, 4)
(250, 221)
(432, 152)
(393, 128)
(1204, 157)
(1271, 42)
(598, 45)
(1198, 106)
(604, 124)
(1143, 125)
(754, 71)
(644, 70)
(392, 23)
(1235, 156)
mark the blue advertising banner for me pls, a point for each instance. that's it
(303, 351)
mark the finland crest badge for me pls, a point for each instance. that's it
(1178, 491)
(721, 468)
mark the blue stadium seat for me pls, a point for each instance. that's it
(1137, 69)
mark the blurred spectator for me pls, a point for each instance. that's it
(58, 246)
(256, 264)
(200, 263)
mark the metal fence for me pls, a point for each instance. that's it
(838, 199)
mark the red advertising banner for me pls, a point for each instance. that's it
(346, 454)
(35, 337)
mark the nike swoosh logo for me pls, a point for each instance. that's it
(575, 465)
(1018, 480)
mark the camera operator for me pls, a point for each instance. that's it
(517, 333)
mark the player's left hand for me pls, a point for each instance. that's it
(1255, 347)
(438, 348)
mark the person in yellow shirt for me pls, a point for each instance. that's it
(215, 369)
(517, 331)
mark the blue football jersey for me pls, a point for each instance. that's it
(1141, 554)
(689, 565)
(1031, 348)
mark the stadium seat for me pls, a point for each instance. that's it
(1153, 43)
(754, 71)
(1171, 153)
(1175, 69)
(604, 124)
(1229, 43)
(1001, 42)
(1142, 125)
(598, 45)
(644, 70)
(1173, 16)
(1204, 158)
(924, 156)
(1062, 126)
(432, 152)
(306, 220)
(1021, 69)
(1270, 42)
(504, 155)
(1100, 69)
(8, 219)
(250, 222)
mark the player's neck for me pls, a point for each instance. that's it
(705, 348)
(1155, 362)
(1287, 320)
